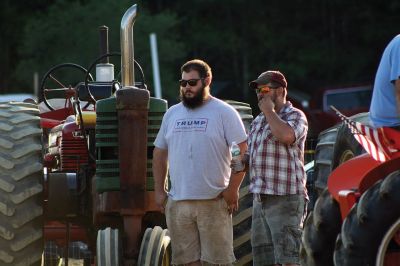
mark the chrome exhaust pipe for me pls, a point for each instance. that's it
(127, 48)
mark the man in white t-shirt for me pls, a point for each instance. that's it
(193, 144)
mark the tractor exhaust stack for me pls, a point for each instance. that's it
(127, 48)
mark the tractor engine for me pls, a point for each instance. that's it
(67, 148)
(68, 170)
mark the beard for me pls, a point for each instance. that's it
(195, 101)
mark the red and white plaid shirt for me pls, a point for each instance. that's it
(277, 168)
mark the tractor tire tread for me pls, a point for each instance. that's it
(367, 222)
(320, 230)
(21, 189)
(324, 156)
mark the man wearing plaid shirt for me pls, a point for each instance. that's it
(275, 158)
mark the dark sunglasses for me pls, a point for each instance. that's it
(191, 82)
(265, 89)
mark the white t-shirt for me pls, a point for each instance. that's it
(198, 142)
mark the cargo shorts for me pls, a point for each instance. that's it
(276, 229)
(200, 230)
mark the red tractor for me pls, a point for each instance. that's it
(356, 218)
(76, 169)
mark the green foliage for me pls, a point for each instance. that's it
(315, 43)
(13, 15)
(68, 32)
(171, 50)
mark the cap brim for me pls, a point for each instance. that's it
(253, 84)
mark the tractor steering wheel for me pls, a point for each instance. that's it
(59, 76)
(115, 83)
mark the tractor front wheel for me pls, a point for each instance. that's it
(155, 248)
(108, 247)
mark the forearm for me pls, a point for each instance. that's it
(160, 177)
(237, 178)
(246, 162)
(397, 89)
(160, 169)
(279, 128)
(235, 181)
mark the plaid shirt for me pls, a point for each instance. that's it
(277, 168)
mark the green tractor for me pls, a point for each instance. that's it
(76, 169)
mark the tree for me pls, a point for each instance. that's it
(315, 43)
(13, 15)
(68, 32)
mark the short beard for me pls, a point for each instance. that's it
(194, 102)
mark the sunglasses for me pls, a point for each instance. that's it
(191, 82)
(265, 89)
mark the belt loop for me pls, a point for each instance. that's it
(256, 197)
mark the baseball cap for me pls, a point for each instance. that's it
(268, 76)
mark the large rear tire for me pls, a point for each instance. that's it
(335, 146)
(241, 222)
(324, 157)
(241, 219)
(389, 249)
(346, 146)
(313, 242)
(367, 223)
(320, 230)
(21, 174)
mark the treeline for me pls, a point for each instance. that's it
(315, 43)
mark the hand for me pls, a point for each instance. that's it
(232, 199)
(237, 166)
(266, 104)
(244, 167)
(161, 198)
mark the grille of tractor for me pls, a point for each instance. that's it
(107, 163)
(158, 107)
(73, 154)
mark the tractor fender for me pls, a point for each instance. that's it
(359, 174)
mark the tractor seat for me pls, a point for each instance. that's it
(99, 90)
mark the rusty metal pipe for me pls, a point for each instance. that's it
(127, 55)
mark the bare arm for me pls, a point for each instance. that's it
(231, 193)
(279, 128)
(397, 89)
(160, 169)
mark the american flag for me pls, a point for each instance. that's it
(371, 139)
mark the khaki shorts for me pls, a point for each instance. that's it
(276, 229)
(200, 230)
